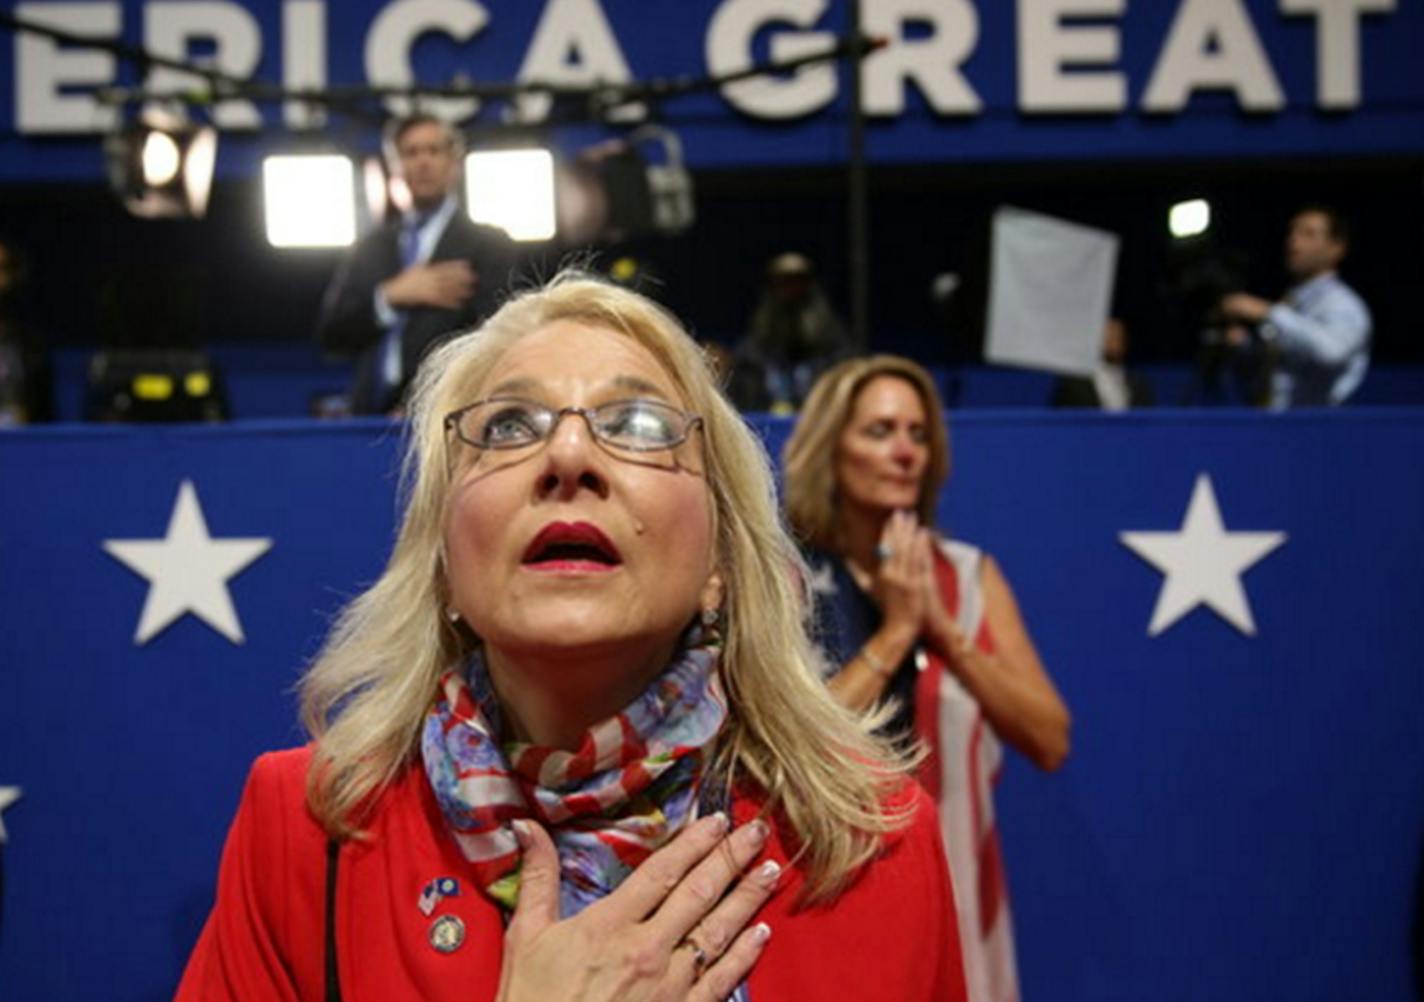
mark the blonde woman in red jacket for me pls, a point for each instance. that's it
(571, 744)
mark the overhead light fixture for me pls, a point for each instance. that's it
(512, 189)
(309, 200)
(1189, 219)
(161, 166)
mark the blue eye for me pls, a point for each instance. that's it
(509, 424)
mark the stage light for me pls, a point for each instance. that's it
(161, 166)
(309, 200)
(1189, 219)
(161, 159)
(377, 188)
(512, 189)
(614, 190)
(669, 183)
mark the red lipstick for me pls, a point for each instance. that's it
(571, 546)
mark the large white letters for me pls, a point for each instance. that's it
(1212, 45)
(729, 50)
(395, 30)
(1047, 48)
(932, 62)
(304, 59)
(573, 46)
(1069, 55)
(169, 29)
(43, 69)
(1337, 46)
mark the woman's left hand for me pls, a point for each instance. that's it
(940, 628)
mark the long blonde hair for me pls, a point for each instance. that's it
(367, 694)
(809, 458)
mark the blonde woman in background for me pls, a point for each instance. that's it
(925, 624)
(571, 744)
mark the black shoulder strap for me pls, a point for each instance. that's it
(333, 980)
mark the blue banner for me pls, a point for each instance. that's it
(1228, 602)
(955, 80)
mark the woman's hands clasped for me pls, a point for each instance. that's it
(671, 931)
(906, 589)
(897, 584)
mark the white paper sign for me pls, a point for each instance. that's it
(1050, 286)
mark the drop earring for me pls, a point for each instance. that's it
(712, 627)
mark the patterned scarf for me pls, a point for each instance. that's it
(630, 786)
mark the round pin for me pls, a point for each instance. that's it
(447, 933)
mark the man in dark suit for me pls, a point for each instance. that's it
(416, 279)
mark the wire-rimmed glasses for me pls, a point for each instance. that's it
(635, 425)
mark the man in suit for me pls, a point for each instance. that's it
(416, 279)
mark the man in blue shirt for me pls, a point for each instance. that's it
(1317, 337)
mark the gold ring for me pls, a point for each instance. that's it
(699, 956)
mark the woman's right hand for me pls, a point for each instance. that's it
(667, 933)
(897, 586)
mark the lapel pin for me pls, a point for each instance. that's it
(434, 891)
(447, 933)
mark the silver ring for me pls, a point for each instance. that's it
(884, 552)
(699, 956)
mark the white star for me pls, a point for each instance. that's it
(8, 795)
(823, 580)
(187, 570)
(1202, 563)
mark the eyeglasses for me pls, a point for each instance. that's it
(627, 425)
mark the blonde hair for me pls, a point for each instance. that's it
(366, 696)
(809, 458)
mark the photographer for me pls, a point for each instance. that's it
(1316, 340)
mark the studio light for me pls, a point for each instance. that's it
(161, 159)
(309, 200)
(512, 189)
(161, 166)
(625, 187)
(1189, 219)
(669, 183)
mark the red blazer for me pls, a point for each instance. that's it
(890, 937)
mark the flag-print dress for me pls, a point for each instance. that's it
(965, 753)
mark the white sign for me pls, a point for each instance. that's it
(1049, 289)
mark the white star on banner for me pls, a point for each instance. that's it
(1202, 563)
(8, 795)
(823, 580)
(187, 570)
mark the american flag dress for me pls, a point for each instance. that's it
(965, 755)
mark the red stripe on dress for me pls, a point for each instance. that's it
(986, 838)
(992, 885)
